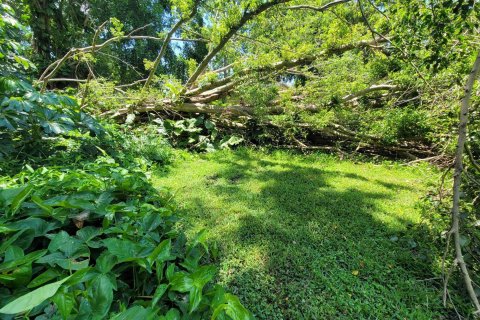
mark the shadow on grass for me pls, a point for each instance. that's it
(320, 252)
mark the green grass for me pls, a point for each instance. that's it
(311, 237)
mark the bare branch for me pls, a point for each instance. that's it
(247, 16)
(320, 9)
(166, 42)
(67, 80)
(373, 88)
(457, 180)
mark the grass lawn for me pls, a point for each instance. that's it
(311, 237)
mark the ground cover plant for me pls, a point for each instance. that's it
(103, 239)
(308, 237)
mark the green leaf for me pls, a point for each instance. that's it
(88, 233)
(200, 238)
(203, 275)
(65, 302)
(13, 253)
(67, 244)
(136, 312)
(32, 256)
(21, 276)
(161, 253)
(181, 282)
(43, 278)
(15, 198)
(11, 240)
(32, 299)
(170, 272)
(228, 304)
(106, 262)
(39, 226)
(100, 295)
(44, 207)
(159, 292)
(123, 249)
(172, 314)
(195, 297)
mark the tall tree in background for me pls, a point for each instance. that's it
(60, 25)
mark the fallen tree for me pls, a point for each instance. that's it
(198, 97)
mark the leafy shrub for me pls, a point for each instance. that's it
(12, 44)
(98, 242)
(27, 115)
(147, 142)
(401, 124)
(199, 134)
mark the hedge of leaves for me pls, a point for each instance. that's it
(100, 243)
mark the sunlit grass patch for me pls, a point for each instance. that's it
(312, 237)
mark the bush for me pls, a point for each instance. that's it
(100, 242)
(403, 124)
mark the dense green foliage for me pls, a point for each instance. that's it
(114, 85)
(110, 229)
(84, 235)
(198, 134)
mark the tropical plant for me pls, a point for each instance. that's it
(199, 134)
(98, 242)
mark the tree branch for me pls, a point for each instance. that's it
(320, 9)
(457, 180)
(244, 19)
(166, 42)
(375, 87)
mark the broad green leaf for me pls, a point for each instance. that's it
(14, 198)
(195, 297)
(203, 275)
(88, 233)
(100, 295)
(232, 307)
(200, 238)
(39, 226)
(48, 275)
(161, 253)
(123, 249)
(159, 292)
(33, 298)
(21, 276)
(170, 272)
(65, 301)
(181, 282)
(172, 314)
(44, 207)
(20, 198)
(136, 312)
(13, 253)
(105, 262)
(69, 245)
(29, 258)
(10, 240)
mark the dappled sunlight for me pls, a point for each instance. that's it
(286, 227)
